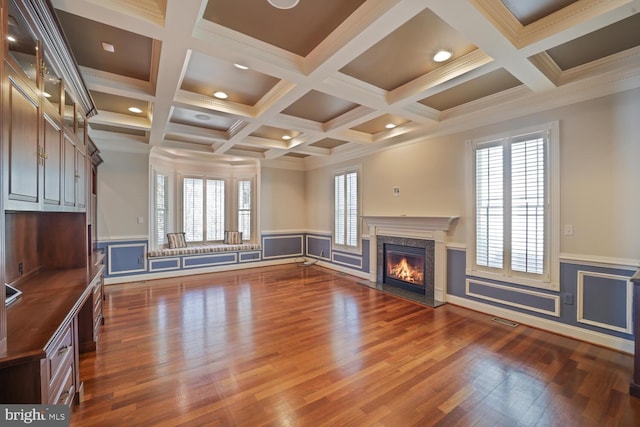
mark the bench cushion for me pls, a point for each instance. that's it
(194, 250)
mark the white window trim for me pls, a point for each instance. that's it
(170, 203)
(553, 232)
(344, 248)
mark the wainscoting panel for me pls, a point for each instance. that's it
(605, 300)
(347, 259)
(249, 256)
(535, 301)
(282, 246)
(319, 247)
(164, 264)
(126, 258)
(209, 260)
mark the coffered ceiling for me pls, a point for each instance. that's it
(320, 82)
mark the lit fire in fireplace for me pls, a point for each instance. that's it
(398, 267)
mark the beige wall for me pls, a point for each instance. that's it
(600, 174)
(600, 148)
(282, 200)
(123, 195)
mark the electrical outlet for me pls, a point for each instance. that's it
(20, 269)
(396, 191)
(568, 299)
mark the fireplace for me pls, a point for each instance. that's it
(425, 236)
(406, 263)
(404, 266)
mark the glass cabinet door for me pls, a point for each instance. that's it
(52, 85)
(22, 43)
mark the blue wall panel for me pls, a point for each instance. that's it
(604, 299)
(319, 247)
(126, 257)
(353, 260)
(249, 256)
(456, 276)
(514, 296)
(208, 260)
(164, 264)
(282, 246)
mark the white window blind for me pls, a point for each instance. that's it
(193, 209)
(489, 207)
(215, 209)
(528, 206)
(161, 209)
(244, 209)
(346, 209)
(512, 209)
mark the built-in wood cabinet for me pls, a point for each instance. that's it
(51, 160)
(45, 230)
(22, 154)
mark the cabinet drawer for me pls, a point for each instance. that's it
(60, 354)
(63, 392)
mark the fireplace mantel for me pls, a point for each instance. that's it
(420, 227)
(426, 223)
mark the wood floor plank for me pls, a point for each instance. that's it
(297, 346)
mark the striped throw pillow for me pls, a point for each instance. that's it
(176, 240)
(233, 237)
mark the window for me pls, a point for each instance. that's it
(244, 209)
(515, 207)
(196, 207)
(203, 199)
(215, 209)
(346, 209)
(161, 204)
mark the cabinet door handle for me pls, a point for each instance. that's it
(63, 350)
(64, 395)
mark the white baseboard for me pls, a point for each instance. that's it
(604, 340)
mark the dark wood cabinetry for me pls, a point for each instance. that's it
(22, 153)
(52, 160)
(46, 246)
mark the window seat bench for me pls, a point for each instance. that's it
(205, 249)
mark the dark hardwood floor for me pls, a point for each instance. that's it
(296, 346)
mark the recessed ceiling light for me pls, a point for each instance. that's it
(221, 95)
(135, 110)
(108, 47)
(286, 137)
(390, 125)
(442, 55)
(283, 4)
(11, 38)
(202, 117)
(241, 66)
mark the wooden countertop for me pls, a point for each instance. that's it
(50, 298)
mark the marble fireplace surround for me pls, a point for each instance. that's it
(412, 227)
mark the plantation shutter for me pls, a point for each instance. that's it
(346, 209)
(528, 205)
(244, 209)
(489, 207)
(215, 209)
(339, 206)
(351, 201)
(193, 209)
(161, 209)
